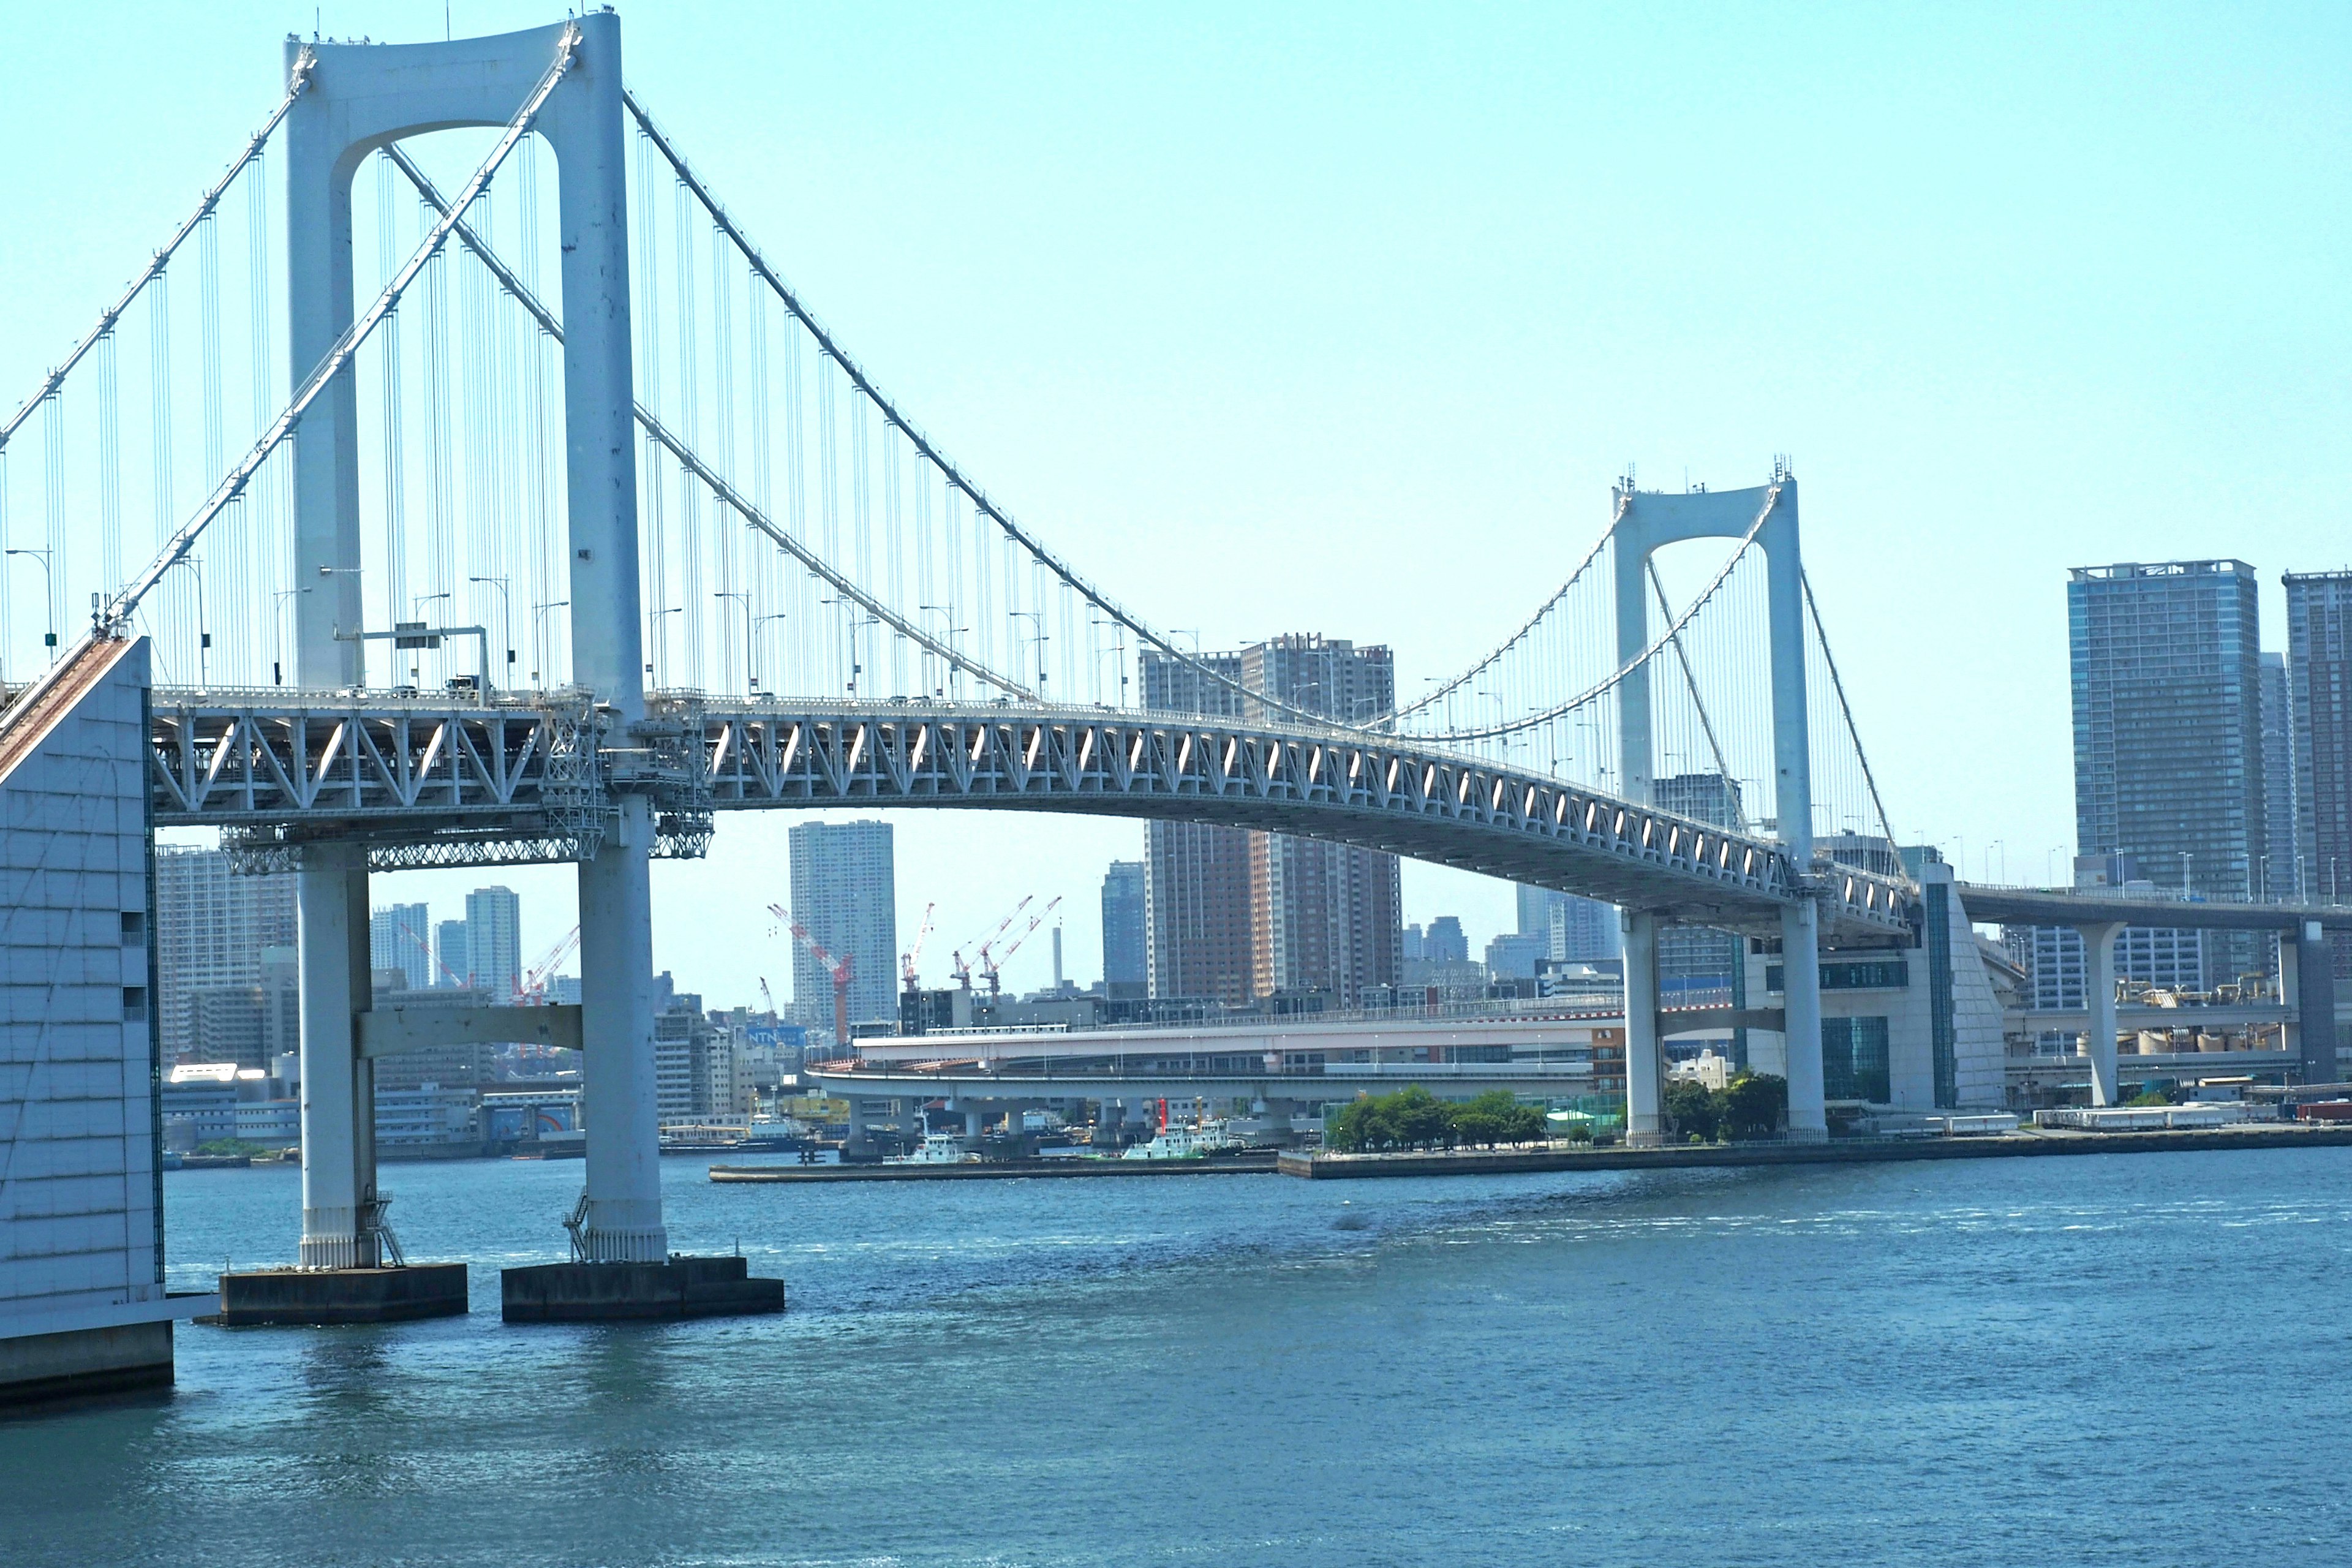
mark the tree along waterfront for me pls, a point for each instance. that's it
(1412, 1118)
(1753, 1105)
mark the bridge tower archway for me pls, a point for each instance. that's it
(359, 98)
(1766, 517)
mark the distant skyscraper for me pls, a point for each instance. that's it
(844, 892)
(210, 929)
(1445, 943)
(1126, 960)
(2277, 877)
(1234, 914)
(449, 948)
(1575, 930)
(400, 936)
(2166, 672)
(1694, 958)
(2319, 679)
(494, 942)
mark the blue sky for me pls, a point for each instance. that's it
(1343, 319)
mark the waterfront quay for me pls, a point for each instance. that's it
(2025, 1142)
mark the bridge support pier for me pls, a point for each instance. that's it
(1800, 1001)
(1645, 1122)
(2099, 998)
(623, 1221)
(338, 1197)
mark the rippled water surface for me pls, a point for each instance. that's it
(2108, 1359)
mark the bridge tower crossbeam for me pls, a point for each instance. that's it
(361, 98)
(1765, 517)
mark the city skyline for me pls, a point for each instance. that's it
(2099, 399)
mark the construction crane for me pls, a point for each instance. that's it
(908, 963)
(991, 963)
(962, 971)
(839, 968)
(767, 995)
(531, 989)
(433, 958)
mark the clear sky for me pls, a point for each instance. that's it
(1341, 320)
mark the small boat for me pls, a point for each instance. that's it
(937, 1149)
(1194, 1142)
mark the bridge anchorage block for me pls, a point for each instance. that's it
(333, 1296)
(681, 1287)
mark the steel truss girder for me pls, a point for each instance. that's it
(427, 784)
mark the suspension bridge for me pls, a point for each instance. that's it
(491, 497)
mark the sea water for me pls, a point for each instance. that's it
(2116, 1359)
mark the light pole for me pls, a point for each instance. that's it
(48, 600)
(194, 564)
(947, 638)
(2004, 847)
(539, 634)
(278, 634)
(1118, 651)
(506, 613)
(1040, 619)
(757, 622)
(750, 676)
(660, 651)
(415, 614)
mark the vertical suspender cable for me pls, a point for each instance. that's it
(110, 463)
(395, 467)
(692, 593)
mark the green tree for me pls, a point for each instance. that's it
(1692, 1108)
(1755, 1105)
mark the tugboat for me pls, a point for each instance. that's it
(937, 1149)
(1197, 1142)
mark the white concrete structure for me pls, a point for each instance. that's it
(1646, 521)
(359, 98)
(82, 1301)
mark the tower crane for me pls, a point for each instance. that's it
(908, 963)
(962, 971)
(839, 968)
(991, 963)
(533, 987)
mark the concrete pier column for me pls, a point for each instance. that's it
(337, 1103)
(1800, 1003)
(2099, 997)
(624, 1222)
(1644, 1123)
(2314, 1003)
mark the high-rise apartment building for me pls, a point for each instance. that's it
(400, 936)
(2167, 673)
(1575, 930)
(211, 929)
(456, 964)
(2319, 703)
(494, 942)
(844, 892)
(2278, 876)
(2319, 681)
(1694, 959)
(1233, 914)
(1127, 962)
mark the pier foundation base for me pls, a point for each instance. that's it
(682, 1286)
(319, 1296)
(84, 1363)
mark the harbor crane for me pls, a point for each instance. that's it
(962, 971)
(990, 964)
(839, 968)
(531, 989)
(908, 961)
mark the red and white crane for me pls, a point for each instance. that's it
(839, 968)
(531, 989)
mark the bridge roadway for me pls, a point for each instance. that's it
(452, 779)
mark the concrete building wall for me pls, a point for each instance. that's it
(81, 1273)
